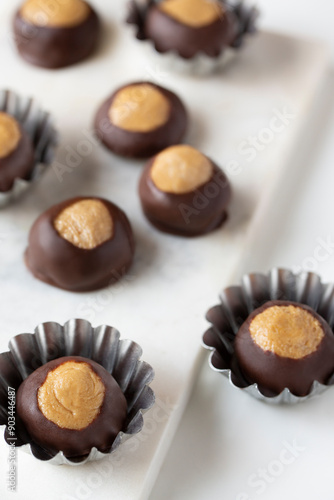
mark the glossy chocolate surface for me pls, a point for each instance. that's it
(101, 433)
(188, 214)
(274, 373)
(142, 144)
(58, 262)
(168, 34)
(53, 47)
(18, 164)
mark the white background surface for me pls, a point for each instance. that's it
(225, 439)
(211, 444)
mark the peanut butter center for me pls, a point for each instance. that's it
(86, 224)
(139, 108)
(71, 396)
(55, 13)
(288, 331)
(194, 13)
(10, 134)
(180, 169)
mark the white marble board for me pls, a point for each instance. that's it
(267, 93)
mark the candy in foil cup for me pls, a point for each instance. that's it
(238, 302)
(77, 337)
(39, 125)
(201, 64)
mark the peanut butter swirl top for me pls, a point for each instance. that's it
(10, 135)
(180, 169)
(288, 331)
(193, 13)
(86, 224)
(71, 396)
(55, 13)
(139, 108)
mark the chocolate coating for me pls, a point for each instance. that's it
(101, 433)
(188, 214)
(168, 34)
(274, 373)
(53, 47)
(58, 262)
(19, 164)
(142, 144)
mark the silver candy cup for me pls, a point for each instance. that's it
(77, 337)
(39, 125)
(237, 302)
(201, 64)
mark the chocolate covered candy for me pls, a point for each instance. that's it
(140, 119)
(72, 404)
(285, 344)
(183, 192)
(80, 244)
(190, 27)
(16, 152)
(54, 34)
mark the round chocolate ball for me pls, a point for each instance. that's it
(80, 244)
(183, 192)
(54, 34)
(17, 156)
(285, 344)
(190, 27)
(72, 404)
(140, 119)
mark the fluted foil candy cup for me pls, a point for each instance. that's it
(39, 125)
(77, 337)
(238, 302)
(201, 64)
